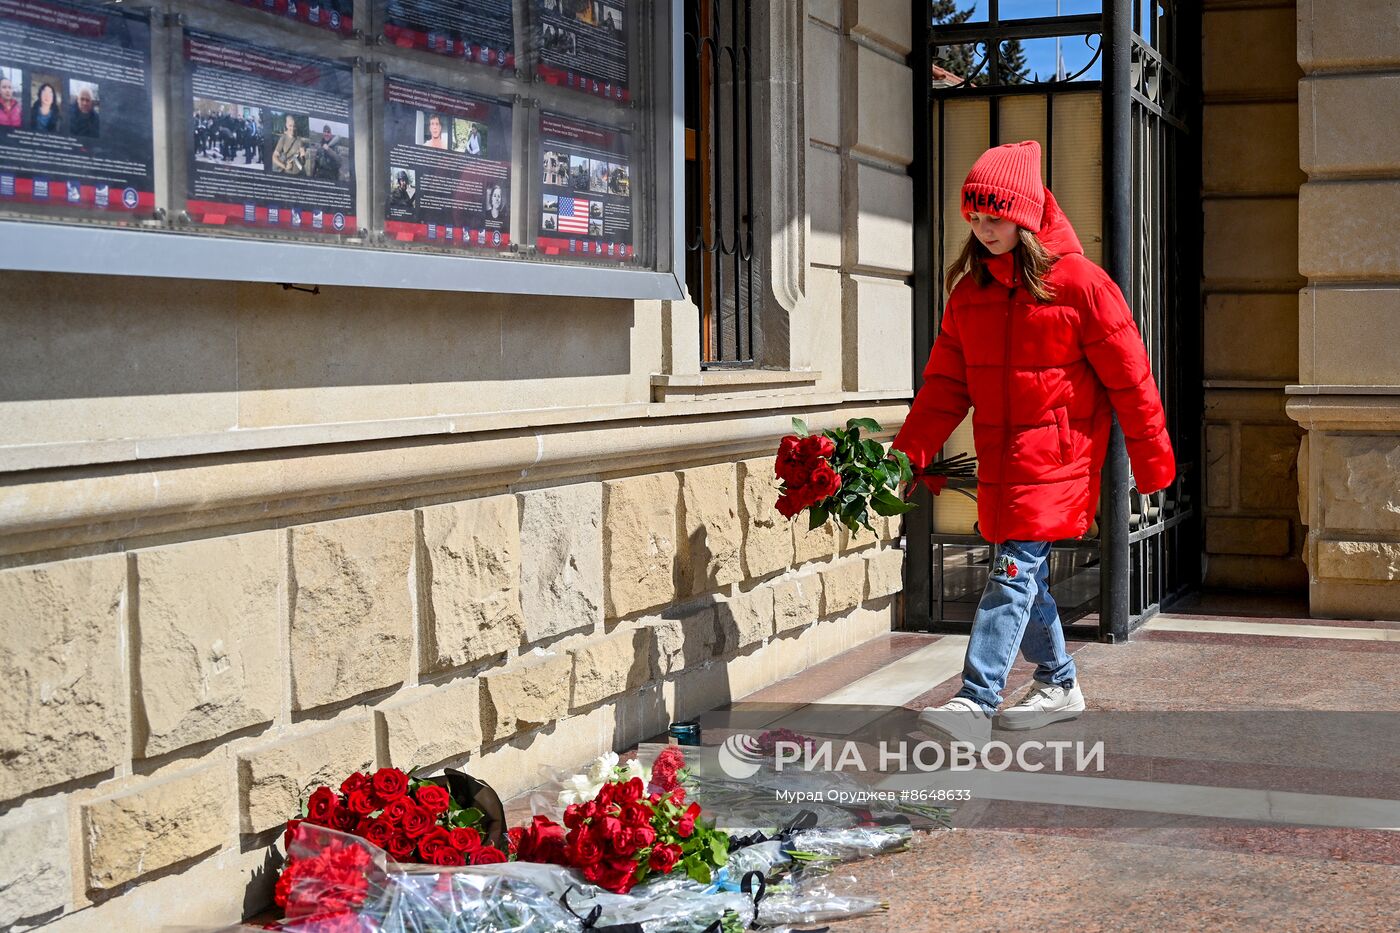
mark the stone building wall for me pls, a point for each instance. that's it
(1348, 391)
(1250, 201)
(252, 538)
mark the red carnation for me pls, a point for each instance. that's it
(322, 805)
(664, 857)
(487, 855)
(433, 798)
(668, 763)
(390, 784)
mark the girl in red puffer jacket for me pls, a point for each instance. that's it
(1038, 341)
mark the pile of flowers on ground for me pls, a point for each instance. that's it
(412, 820)
(628, 830)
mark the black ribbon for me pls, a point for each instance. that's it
(747, 885)
(803, 819)
(590, 921)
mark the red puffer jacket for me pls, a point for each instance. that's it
(1040, 378)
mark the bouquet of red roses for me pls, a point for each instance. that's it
(413, 820)
(839, 474)
(625, 834)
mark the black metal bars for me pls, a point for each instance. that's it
(719, 113)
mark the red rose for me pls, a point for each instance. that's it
(433, 841)
(787, 453)
(390, 784)
(787, 507)
(542, 841)
(359, 801)
(664, 858)
(380, 832)
(322, 805)
(433, 798)
(416, 821)
(344, 819)
(815, 447)
(513, 837)
(629, 791)
(604, 828)
(593, 872)
(618, 875)
(448, 857)
(397, 811)
(636, 814)
(586, 851)
(465, 839)
(824, 481)
(487, 855)
(354, 782)
(401, 847)
(573, 815)
(290, 834)
(644, 836)
(686, 825)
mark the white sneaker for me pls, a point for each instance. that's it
(1044, 704)
(959, 720)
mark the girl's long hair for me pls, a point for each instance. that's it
(1033, 262)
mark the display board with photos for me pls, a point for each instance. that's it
(495, 128)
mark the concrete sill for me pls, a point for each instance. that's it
(1340, 390)
(731, 383)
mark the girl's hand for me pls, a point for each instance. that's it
(935, 484)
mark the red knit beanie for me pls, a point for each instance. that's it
(1005, 181)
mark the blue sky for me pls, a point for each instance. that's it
(1040, 53)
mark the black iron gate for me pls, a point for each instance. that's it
(1118, 130)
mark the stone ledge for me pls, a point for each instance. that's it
(729, 384)
(56, 511)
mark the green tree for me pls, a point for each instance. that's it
(956, 58)
(1013, 63)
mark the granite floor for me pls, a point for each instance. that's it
(1253, 828)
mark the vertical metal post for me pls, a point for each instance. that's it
(1118, 261)
(918, 523)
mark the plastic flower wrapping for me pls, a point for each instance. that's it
(592, 863)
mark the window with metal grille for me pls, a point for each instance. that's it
(720, 267)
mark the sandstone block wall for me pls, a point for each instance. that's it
(1347, 394)
(1254, 539)
(171, 705)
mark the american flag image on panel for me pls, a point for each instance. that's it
(573, 215)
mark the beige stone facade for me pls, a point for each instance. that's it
(1347, 395)
(253, 539)
(1250, 178)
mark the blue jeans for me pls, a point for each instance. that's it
(1016, 609)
